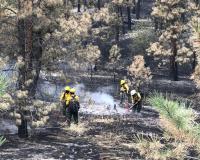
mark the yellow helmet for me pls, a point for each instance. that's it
(72, 90)
(122, 82)
(67, 88)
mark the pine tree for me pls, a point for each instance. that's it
(138, 72)
(114, 58)
(37, 23)
(175, 32)
(195, 39)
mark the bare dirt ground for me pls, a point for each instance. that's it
(96, 137)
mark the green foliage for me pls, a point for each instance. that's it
(3, 85)
(180, 130)
(151, 147)
(141, 40)
(175, 111)
(2, 140)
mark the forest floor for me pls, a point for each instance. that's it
(96, 137)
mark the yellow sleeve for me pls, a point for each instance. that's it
(68, 98)
(77, 98)
(61, 96)
(127, 88)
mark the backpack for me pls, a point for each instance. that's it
(74, 105)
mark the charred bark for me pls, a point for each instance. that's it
(23, 128)
(25, 37)
(37, 62)
(194, 63)
(99, 4)
(79, 6)
(129, 17)
(174, 64)
(138, 8)
(117, 33)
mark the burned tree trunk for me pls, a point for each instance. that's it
(79, 6)
(129, 17)
(117, 33)
(25, 31)
(194, 62)
(85, 4)
(121, 14)
(36, 63)
(174, 64)
(156, 24)
(23, 128)
(99, 4)
(138, 7)
(31, 53)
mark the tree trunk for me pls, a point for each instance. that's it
(174, 64)
(129, 17)
(121, 14)
(138, 6)
(99, 4)
(23, 128)
(197, 2)
(79, 6)
(85, 4)
(134, 10)
(194, 61)
(121, 11)
(25, 33)
(160, 24)
(91, 72)
(156, 24)
(37, 55)
(117, 33)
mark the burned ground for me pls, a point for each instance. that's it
(101, 137)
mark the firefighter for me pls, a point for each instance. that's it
(63, 98)
(136, 99)
(73, 106)
(124, 90)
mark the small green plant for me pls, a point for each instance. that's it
(176, 112)
(181, 132)
(151, 147)
(2, 140)
(3, 85)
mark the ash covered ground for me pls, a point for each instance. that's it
(101, 134)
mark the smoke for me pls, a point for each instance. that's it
(102, 98)
(98, 97)
(100, 102)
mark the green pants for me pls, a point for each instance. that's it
(137, 107)
(123, 97)
(71, 114)
(64, 108)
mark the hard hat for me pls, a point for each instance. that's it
(122, 82)
(133, 92)
(67, 88)
(72, 90)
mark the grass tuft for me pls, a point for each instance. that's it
(2, 140)
(181, 132)
(79, 129)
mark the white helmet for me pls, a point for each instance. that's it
(133, 92)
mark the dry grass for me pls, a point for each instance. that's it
(152, 148)
(178, 134)
(108, 139)
(79, 129)
(104, 120)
